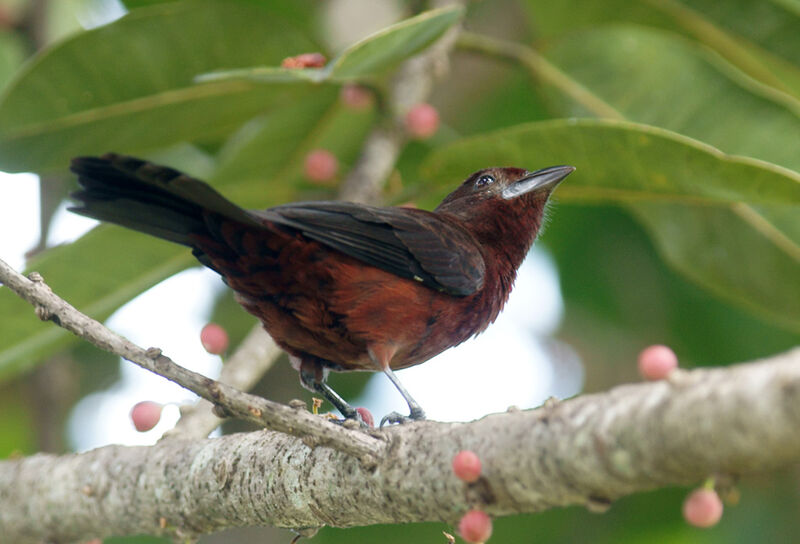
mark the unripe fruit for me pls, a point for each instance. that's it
(366, 416)
(305, 60)
(475, 526)
(657, 362)
(702, 508)
(422, 121)
(356, 97)
(320, 166)
(467, 466)
(145, 415)
(214, 339)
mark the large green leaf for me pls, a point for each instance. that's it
(660, 79)
(298, 12)
(259, 167)
(129, 86)
(663, 80)
(646, 167)
(761, 38)
(621, 161)
(724, 235)
(364, 58)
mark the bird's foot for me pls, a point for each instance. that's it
(398, 418)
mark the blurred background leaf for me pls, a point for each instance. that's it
(130, 84)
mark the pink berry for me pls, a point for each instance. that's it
(214, 339)
(305, 60)
(145, 415)
(657, 362)
(475, 526)
(422, 121)
(356, 97)
(702, 508)
(321, 166)
(467, 466)
(366, 416)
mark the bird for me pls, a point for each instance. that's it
(342, 286)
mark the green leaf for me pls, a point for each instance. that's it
(639, 165)
(129, 86)
(621, 161)
(760, 38)
(364, 58)
(720, 236)
(671, 83)
(299, 13)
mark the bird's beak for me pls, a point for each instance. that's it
(545, 179)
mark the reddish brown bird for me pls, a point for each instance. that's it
(342, 286)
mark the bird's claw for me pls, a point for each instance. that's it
(398, 418)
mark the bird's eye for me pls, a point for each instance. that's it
(484, 180)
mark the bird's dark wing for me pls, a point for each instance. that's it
(413, 244)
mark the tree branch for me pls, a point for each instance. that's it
(312, 429)
(588, 451)
(252, 359)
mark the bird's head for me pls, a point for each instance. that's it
(504, 207)
(513, 192)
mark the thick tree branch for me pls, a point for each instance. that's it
(588, 450)
(314, 430)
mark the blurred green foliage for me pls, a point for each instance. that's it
(681, 225)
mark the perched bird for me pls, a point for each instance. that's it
(342, 286)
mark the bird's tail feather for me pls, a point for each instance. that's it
(149, 198)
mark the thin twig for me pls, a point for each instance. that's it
(254, 356)
(312, 429)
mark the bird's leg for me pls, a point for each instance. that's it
(312, 377)
(416, 412)
(382, 355)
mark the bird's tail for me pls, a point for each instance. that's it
(149, 198)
